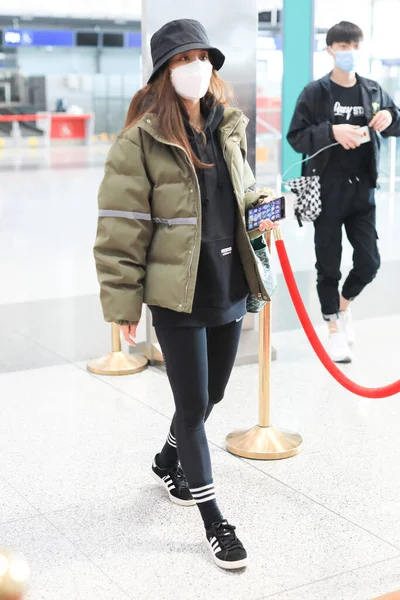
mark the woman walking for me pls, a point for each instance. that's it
(172, 234)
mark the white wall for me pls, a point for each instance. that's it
(265, 5)
(126, 9)
(385, 42)
(102, 9)
(357, 11)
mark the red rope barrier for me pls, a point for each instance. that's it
(380, 392)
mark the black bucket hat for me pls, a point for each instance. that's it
(180, 36)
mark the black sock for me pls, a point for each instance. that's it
(168, 456)
(207, 504)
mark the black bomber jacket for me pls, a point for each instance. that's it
(311, 126)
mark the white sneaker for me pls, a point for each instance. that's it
(338, 347)
(346, 325)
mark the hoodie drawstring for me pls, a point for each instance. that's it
(354, 178)
(219, 180)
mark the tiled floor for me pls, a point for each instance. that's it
(75, 492)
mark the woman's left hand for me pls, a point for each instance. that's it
(268, 225)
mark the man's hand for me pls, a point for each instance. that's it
(129, 333)
(346, 135)
(382, 120)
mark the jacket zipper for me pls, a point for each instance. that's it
(260, 283)
(366, 98)
(187, 159)
(198, 225)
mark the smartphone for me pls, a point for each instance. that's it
(274, 211)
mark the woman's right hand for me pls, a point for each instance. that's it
(129, 333)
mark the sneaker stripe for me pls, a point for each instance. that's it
(201, 489)
(228, 553)
(178, 494)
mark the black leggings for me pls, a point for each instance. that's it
(199, 363)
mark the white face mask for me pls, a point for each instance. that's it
(192, 81)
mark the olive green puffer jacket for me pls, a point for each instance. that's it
(149, 230)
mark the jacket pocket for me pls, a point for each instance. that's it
(220, 277)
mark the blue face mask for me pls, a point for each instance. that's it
(347, 60)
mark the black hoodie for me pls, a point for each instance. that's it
(221, 287)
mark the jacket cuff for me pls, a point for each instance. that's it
(126, 323)
(255, 233)
(395, 114)
(253, 199)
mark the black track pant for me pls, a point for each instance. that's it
(199, 363)
(349, 200)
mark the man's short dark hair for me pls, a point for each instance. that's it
(344, 32)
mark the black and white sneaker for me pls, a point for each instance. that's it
(227, 550)
(175, 483)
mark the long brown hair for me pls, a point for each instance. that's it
(160, 98)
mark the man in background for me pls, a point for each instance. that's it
(335, 109)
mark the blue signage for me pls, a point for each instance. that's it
(38, 37)
(134, 39)
(391, 62)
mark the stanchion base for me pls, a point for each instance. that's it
(264, 443)
(117, 363)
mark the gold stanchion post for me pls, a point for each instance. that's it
(14, 575)
(264, 441)
(117, 362)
